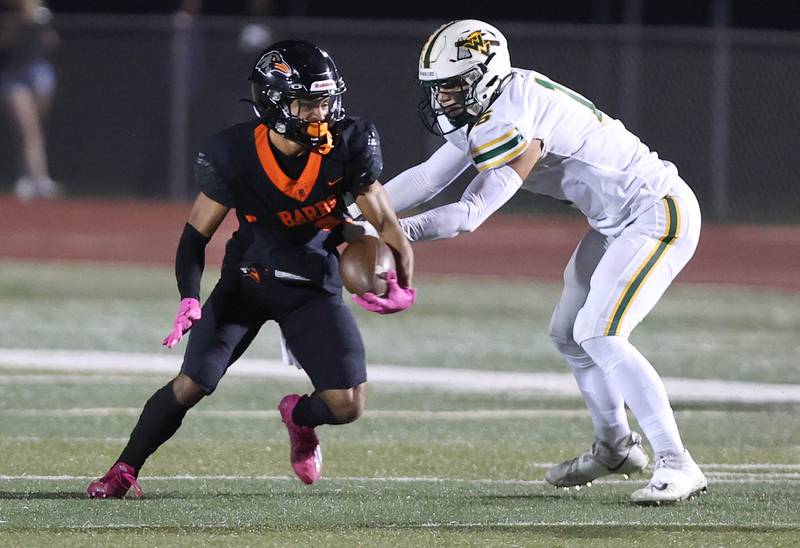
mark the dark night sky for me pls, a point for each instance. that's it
(773, 14)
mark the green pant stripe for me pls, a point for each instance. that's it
(669, 235)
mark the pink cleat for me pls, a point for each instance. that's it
(115, 483)
(306, 454)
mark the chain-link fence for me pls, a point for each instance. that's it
(137, 96)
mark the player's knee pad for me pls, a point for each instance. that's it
(607, 352)
(567, 347)
(561, 332)
(575, 356)
(562, 339)
(586, 326)
(561, 327)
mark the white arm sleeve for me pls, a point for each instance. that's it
(422, 182)
(488, 191)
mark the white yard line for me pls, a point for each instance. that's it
(84, 379)
(595, 523)
(459, 380)
(479, 525)
(719, 469)
(68, 439)
(759, 466)
(721, 477)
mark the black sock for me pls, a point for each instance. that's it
(313, 411)
(160, 419)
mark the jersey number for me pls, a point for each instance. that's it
(572, 95)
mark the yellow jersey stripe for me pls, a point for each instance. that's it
(477, 150)
(510, 155)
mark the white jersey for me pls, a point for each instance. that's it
(588, 158)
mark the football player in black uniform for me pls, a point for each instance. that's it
(285, 173)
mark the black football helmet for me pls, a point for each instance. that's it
(296, 69)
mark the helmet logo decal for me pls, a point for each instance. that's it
(273, 61)
(474, 41)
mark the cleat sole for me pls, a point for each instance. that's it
(691, 496)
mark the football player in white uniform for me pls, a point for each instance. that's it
(520, 129)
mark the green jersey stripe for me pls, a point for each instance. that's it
(505, 158)
(498, 150)
(573, 95)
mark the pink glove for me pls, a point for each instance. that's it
(188, 313)
(397, 298)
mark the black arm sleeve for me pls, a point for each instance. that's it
(190, 260)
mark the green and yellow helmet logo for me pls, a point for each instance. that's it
(477, 42)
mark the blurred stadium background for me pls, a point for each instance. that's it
(712, 86)
(138, 94)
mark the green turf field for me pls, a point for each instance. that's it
(420, 467)
(698, 332)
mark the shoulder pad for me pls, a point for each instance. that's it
(352, 130)
(361, 146)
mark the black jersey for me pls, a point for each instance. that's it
(287, 206)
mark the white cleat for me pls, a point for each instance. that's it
(28, 188)
(676, 478)
(25, 189)
(48, 188)
(601, 460)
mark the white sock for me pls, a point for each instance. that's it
(641, 387)
(602, 398)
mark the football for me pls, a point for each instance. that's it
(363, 263)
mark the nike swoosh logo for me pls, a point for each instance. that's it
(333, 182)
(289, 276)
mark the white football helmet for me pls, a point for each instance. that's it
(467, 54)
